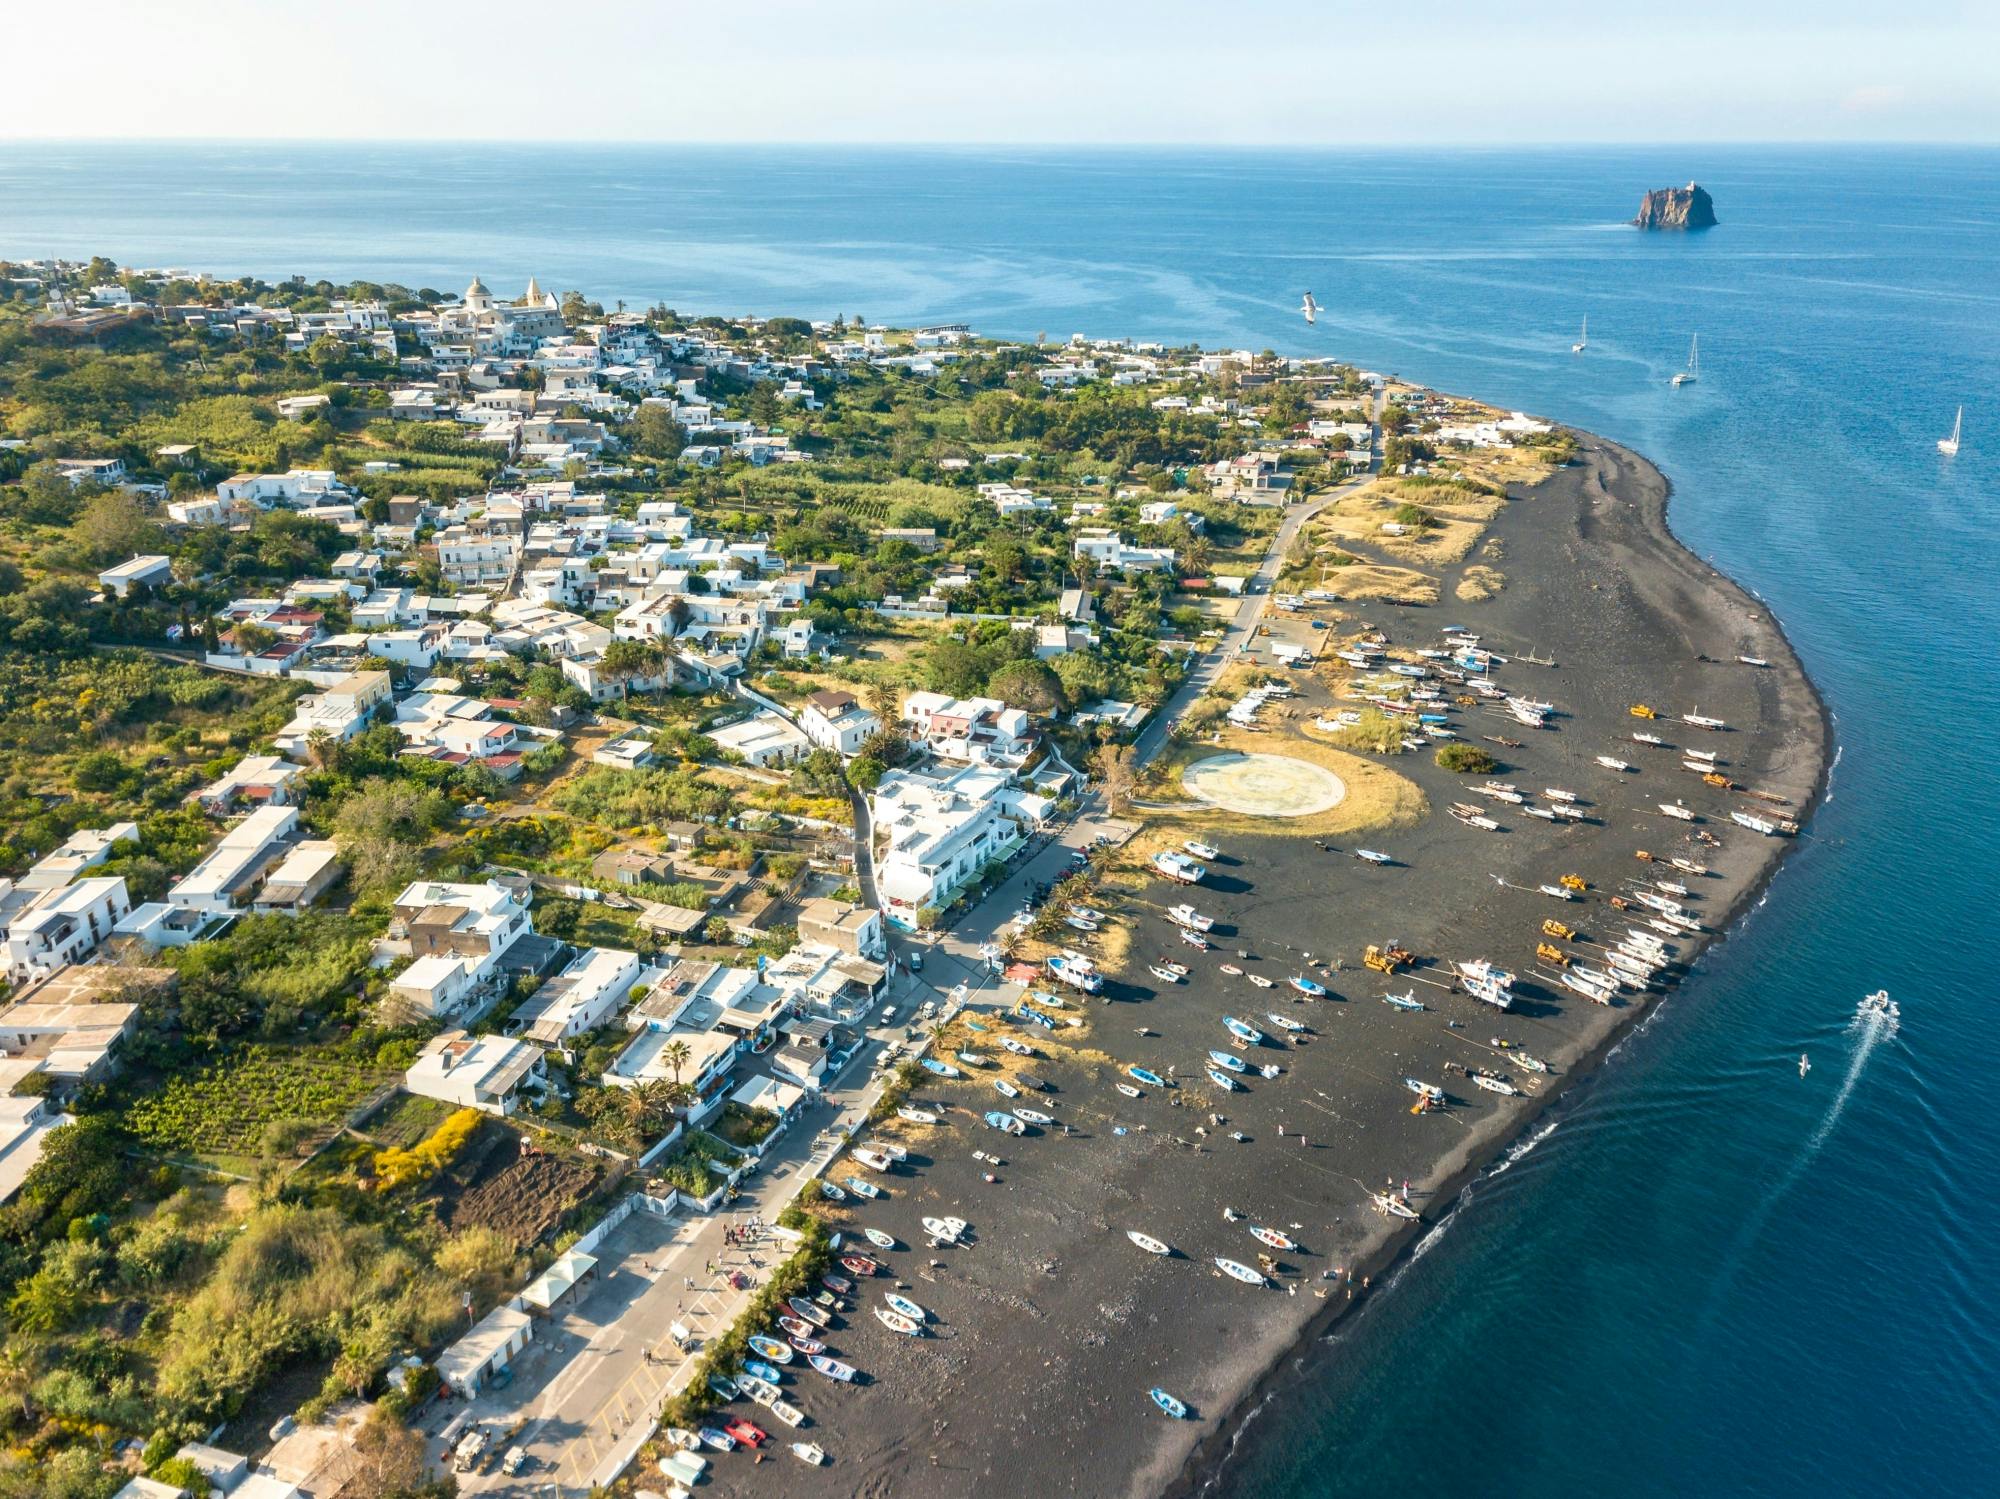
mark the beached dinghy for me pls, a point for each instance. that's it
(1404, 1001)
(874, 1160)
(1372, 856)
(1641, 737)
(906, 1307)
(1195, 940)
(1285, 1023)
(1150, 1078)
(917, 1116)
(1169, 1404)
(1231, 968)
(1494, 1084)
(790, 1414)
(771, 1348)
(1018, 1048)
(896, 1321)
(757, 1387)
(1005, 1123)
(1237, 1271)
(861, 1188)
(1533, 1064)
(1273, 1237)
(1188, 916)
(721, 1441)
(818, 1315)
(1223, 1080)
(797, 1328)
(1612, 764)
(942, 1069)
(1557, 794)
(1395, 1207)
(1202, 850)
(1260, 981)
(1148, 1243)
(831, 1193)
(1676, 809)
(879, 1239)
(1427, 1091)
(1129, 1091)
(1035, 1117)
(833, 1368)
(808, 1452)
(1164, 975)
(1005, 1089)
(1307, 987)
(1228, 1060)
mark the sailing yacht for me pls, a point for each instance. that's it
(1693, 372)
(1582, 339)
(1949, 445)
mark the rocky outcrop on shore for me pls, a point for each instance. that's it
(1687, 207)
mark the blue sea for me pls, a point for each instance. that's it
(1712, 1275)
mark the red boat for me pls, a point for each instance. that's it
(861, 1265)
(749, 1434)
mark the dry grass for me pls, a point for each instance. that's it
(1478, 584)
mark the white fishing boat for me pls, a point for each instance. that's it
(1394, 1206)
(1232, 970)
(1128, 1090)
(874, 1160)
(1187, 916)
(1753, 660)
(1688, 866)
(1080, 923)
(1949, 445)
(1755, 823)
(1259, 980)
(1609, 763)
(1707, 757)
(1533, 1064)
(1427, 1091)
(1018, 1048)
(1676, 809)
(1223, 1080)
(1596, 992)
(1274, 1238)
(1501, 794)
(1194, 939)
(1179, 867)
(808, 1452)
(1202, 850)
(1703, 721)
(1164, 975)
(1557, 892)
(1236, 1271)
(1582, 338)
(1692, 373)
(945, 1230)
(1148, 1243)
(1472, 817)
(1494, 1084)
(1480, 970)
(896, 1321)
(916, 1116)
(862, 1188)
(1546, 814)
(1640, 736)
(1372, 856)
(879, 1239)
(1557, 794)
(1228, 1060)
(1035, 1117)
(1285, 1023)
(1699, 767)
(1243, 1030)
(790, 1414)
(1404, 1001)
(1005, 1089)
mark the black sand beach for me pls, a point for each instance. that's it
(1047, 1325)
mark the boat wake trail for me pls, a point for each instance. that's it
(1876, 1020)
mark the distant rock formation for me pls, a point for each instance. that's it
(1687, 207)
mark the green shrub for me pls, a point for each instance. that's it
(1467, 760)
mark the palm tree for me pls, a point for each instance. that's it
(676, 1054)
(320, 747)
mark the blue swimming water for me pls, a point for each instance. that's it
(1713, 1275)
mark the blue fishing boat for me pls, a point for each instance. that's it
(1150, 1079)
(1223, 1080)
(1306, 986)
(1168, 1404)
(942, 1069)
(1242, 1030)
(1228, 1060)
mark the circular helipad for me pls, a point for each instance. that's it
(1263, 785)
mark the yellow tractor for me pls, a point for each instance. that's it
(1715, 778)
(1388, 957)
(1557, 929)
(1640, 710)
(1575, 882)
(1549, 953)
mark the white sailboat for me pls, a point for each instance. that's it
(1949, 445)
(1693, 372)
(1582, 339)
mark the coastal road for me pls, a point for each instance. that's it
(1241, 631)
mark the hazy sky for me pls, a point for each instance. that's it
(1111, 71)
